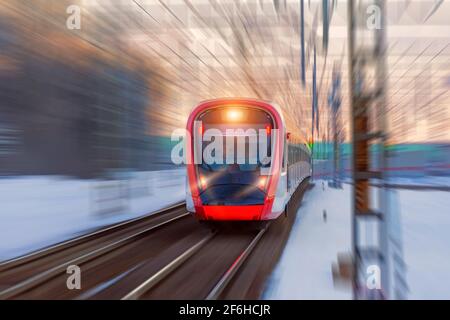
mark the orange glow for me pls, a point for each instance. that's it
(262, 182)
(203, 182)
(268, 130)
(234, 115)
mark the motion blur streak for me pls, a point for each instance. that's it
(91, 91)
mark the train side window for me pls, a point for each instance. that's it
(290, 158)
(289, 154)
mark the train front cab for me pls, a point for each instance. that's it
(236, 189)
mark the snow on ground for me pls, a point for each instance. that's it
(304, 270)
(40, 211)
(423, 181)
(426, 234)
(433, 181)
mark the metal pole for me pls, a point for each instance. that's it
(313, 111)
(351, 35)
(302, 42)
(366, 127)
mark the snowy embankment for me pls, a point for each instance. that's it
(304, 270)
(40, 211)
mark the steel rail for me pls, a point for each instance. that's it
(12, 263)
(165, 271)
(231, 272)
(44, 276)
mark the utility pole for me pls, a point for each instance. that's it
(302, 42)
(368, 105)
(313, 111)
(315, 106)
(325, 24)
(335, 104)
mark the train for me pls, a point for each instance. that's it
(242, 162)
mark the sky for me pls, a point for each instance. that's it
(224, 49)
(251, 48)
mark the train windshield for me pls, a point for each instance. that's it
(235, 150)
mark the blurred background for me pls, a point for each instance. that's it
(91, 91)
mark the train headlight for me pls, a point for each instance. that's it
(203, 183)
(262, 183)
(234, 115)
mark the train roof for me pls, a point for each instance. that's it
(243, 100)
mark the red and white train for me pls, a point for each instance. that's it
(238, 188)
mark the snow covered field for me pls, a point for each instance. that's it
(40, 211)
(304, 271)
(426, 234)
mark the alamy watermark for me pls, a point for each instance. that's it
(373, 279)
(374, 17)
(73, 282)
(73, 21)
(234, 146)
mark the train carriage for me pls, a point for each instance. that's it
(242, 163)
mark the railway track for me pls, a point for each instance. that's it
(167, 255)
(23, 273)
(106, 249)
(223, 275)
(13, 263)
(234, 268)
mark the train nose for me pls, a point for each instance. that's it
(237, 212)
